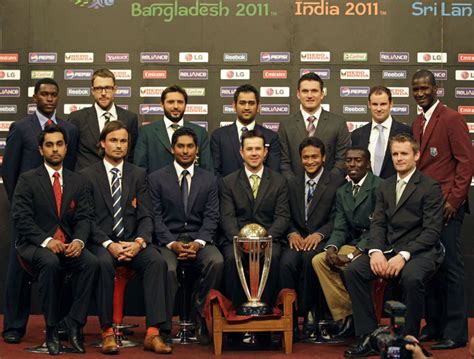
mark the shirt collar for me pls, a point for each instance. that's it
(100, 111)
(168, 122)
(430, 111)
(179, 169)
(315, 179)
(43, 119)
(407, 177)
(51, 171)
(250, 126)
(317, 114)
(249, 173)
(387, 124)
(109, 166)
(361, 182)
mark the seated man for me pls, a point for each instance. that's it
(52, 217)
(355, 202)
(186, 214)
(311, 197)
(122, 236)
(404, 243)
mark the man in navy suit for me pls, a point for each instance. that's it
(186, 215)
(376, 134)
(225, 141)
(21, 155)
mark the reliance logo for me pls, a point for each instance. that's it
(154, 57)
(193, 74)
(275, 109)
(394, 57)
(9, 92)
(227, 91)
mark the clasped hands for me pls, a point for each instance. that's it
(299, 243)
(73, 249)
(185, 250)
(386, 268)
(124, 251)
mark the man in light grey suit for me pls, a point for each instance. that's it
(312, 120)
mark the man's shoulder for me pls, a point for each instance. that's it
(362, 129)
(198, 129)
(160, 174)
(275, 176)
(219, 131)
(266, 132)
(25, 122)
(124, 112)
(208, 176)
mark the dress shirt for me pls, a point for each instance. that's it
(374, 134)
(43, 119)
(108, 167)
(100, 115)
(168, 124)
(429, 113)
(306, 190)
(249, 173)
(250, 127)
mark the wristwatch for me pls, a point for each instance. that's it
(350, 256)
(141, 242)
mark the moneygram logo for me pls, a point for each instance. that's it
(9, 57)
(235, 57)
(155, 74)
(400, 109)
(235, 74)
(79, 57)
(151, 91)
(227, 91)
(354, 109)
(399, 91)
(315, 56)
(202, 74)
(199, 57)
(394, 57)
(394, 74)
(352, 74)
(277, 57)
(354, 91)
(154, 57)
(8, 109)
(94, 4)
(275, 109)
(274, 91)
(275, 74)
(117, 57)
(9, 92)
(325, 74)
(78, 91)
(464, 92)
(70, 74)
(432, 57)
(150, 109)
(42, 57)
(10, 74)
(465, 75)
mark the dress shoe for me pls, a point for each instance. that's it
(12, 337)
(426, 337)
(447, 344)
(347, 329)
(52, 340)
(155, 343)
(75, 337)
(109, 345)
(362, 349)
(202, 333)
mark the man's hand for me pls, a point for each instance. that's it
(73, 249)
(415, 349)
(116, 250)
(184, 251)
(395, 265)
(56, 246)
(341, 260)
(131, 249)
(312, 241)
(448, 212)
(378, 263)
(295, 241)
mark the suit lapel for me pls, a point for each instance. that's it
(162, 134)
(365, 190)
(245, 184)
(45, 182)
(409, 189)
(126, 181)
(322, 124)
(233, 138)
(300, 126)
(104, 185)
(318, 192)
(196, 185)
(93, 123)
(430, 127)
(35, 124)
(300, 196)
(173, 186)
(262, 188)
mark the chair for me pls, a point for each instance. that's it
(378, 292)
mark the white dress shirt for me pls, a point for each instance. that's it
(100, 115)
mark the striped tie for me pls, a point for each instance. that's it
(117, 205)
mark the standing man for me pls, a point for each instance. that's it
(21, 154)
(312, 120)
(375, 135)
(445, 155)
(52, 216)
(404, 244)
(122, 236)
(153, 149)
(91, 120)
(225, 141)
(355, 202)
(186, 215)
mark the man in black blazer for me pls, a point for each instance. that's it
(404, 244)
(20, 155)
(186, 215)
(52, 216)
(311, 198)
(225, 141)
(122, 236)
(264, 202)
(312, 120)
(376, 134)
(91, 120)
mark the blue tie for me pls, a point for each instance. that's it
(185, 189)
(379, 151)
(117, 205)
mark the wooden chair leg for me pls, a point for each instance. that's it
(288, 341)
(217, 343)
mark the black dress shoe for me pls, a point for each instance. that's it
(447, 344)
(362, 349)
(75, 337)
(347, 329)
(52, 340)
(11, 337)
(202, 333)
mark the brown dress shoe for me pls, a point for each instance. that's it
(155, 343)
(109, 346)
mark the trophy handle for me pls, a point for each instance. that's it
(240, 270)
(266, 267)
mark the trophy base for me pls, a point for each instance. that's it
(254, 309)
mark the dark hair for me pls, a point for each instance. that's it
(378, 90)
(51, 129)
(45, 81)
(405, 137)
(109, 128)
(246, 88)
(252, 134)
(106, 73)
(312, 141)
(174, 88)
(311, 76)
(425, 73)
(183, 131)
(360, 148)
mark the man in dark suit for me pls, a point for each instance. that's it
(122, 236)
(52, 217)
(91, 120)
(312, 120)
(225, 141)
(153, 150)
(375, 135)
(186, 214)
(21, 154)
(404, 244)
(445, 155)
(355, 202)
(253, 194)
(311, 199)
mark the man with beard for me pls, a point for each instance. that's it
(225, 141)
(153, 150)
(91, 120)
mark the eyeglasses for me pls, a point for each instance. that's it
(107, 89)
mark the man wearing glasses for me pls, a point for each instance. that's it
(91, 120)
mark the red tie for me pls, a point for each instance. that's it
(422, 127)
(59, 234)
(49, 122)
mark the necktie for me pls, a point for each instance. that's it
(311, 188)
(311, 128)
(379, 151)
(399, 190)
(355, 190)
(49, 122)
(185, 189)
(175, 126)
(117, 203)
(422, 127)
(107, 117)
(254, 179)
(59, 234)
(242, 132)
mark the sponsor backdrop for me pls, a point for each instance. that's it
(210, 47)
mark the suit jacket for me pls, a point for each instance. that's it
(361, 136)
(136, 205)
(35, 214)
(88, 126)
(153, 150)
(446, 152)
(331, 129)
(202, 216)
(21, 152)
(238, 207)
(353, 217)
(225, 148)
(320, 214)
(415, 223)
